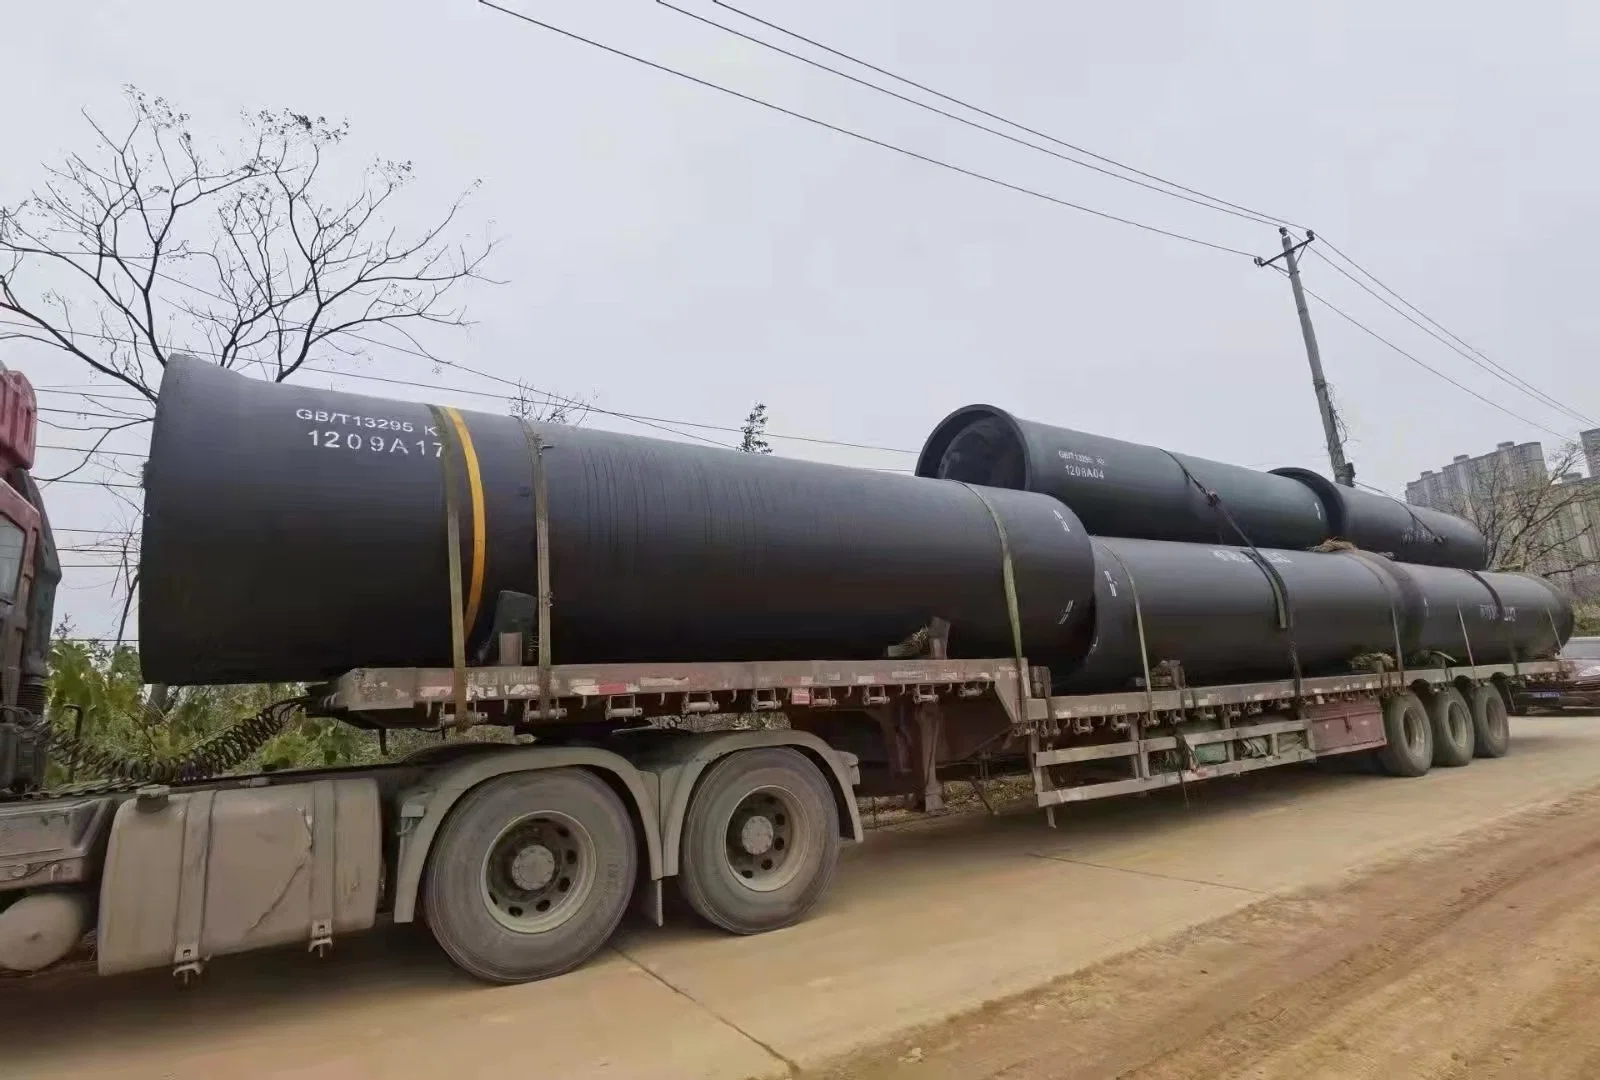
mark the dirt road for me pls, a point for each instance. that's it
(1480, 960)
(1480, 964)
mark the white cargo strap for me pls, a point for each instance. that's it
(324, 858)
(189, 925)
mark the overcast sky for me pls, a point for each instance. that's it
(672, 251)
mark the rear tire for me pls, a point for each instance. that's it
(1490, 724)
(530, 874)
(1410, 735)
(760, 841)
(1454, 738)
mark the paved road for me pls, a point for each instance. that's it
(924, 924)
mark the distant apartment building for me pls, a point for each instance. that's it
(1590, 440)
(1467, 478)
(1570, 537)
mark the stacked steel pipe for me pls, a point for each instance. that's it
(293, 533)
(1238, 573)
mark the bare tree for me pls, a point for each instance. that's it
(150, 244)
(1542, 519)
(528, 403)
(753, 432)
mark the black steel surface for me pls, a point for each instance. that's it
(1214, 610)
(295, 533)
(1131, 490)
(1381, 523)
(1125, 489)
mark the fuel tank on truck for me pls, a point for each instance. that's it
(1215, 611)
(1125, 489)
(294, 533)
(1385, 524)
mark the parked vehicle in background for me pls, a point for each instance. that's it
(1579, 688)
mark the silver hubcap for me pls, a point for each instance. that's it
(764, 841)
(539, 872)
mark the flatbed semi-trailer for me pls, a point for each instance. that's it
(522, 858)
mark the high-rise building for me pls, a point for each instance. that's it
(1554, 531)
(1590, 441)
(1509, 464)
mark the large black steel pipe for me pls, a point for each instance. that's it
(295, 533)
(1382, 523)
(1214, 610)
(1469, 617)
(1129, 490)
(1219, 613)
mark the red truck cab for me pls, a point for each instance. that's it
(29, 574)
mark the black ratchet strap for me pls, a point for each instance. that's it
(1504, 620)
(1280, 588)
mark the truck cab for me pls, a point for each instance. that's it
(30, 571)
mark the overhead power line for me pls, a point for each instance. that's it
(1160, 187)
(1177, 190)
(1451, 342)
(91, 483)
(523, 391)
(93, 450)
(859, 135)
(1435, 329)
(90, 532)
(1364, 328)
(1440, 333)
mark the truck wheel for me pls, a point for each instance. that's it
(1491, 728)
(530, 874)
(1410, 735)
(1453, 737)
(760, 841)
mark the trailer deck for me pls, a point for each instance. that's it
(1160, 737)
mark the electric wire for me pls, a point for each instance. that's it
(858, 135)
(1444, 337)
(1364, 328)
(1196, 199)
(547, 397)
(1245, 211)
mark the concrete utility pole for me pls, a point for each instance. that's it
(1343, 471)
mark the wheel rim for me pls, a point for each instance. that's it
(765, 843)
(539, 872)
(1459, 724)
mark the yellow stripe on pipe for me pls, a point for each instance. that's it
(480, 540)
